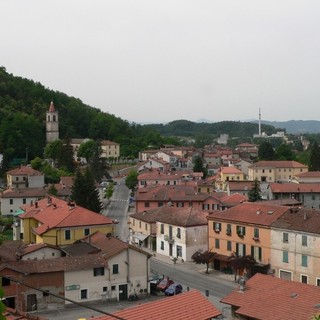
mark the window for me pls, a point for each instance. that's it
(11, 201)
(160, 204)
(256, 233)
(134, 222)
(162, 228)
(228, 230)
(304, 241)
(179, 251)
(140, 224)
(318, 282)
(285, 257)
(304, 260)
(304, 278)
(229, 245)
(24, 201)
(5, 282)
(98, 271)
(146, 226)
(240, 249)
(67, 235)
(241, 231)
(205, 206)
(147, 204)
(115, 269)
(45, 293)
(86, 231)
(313, 197)
(256, 253)
(217, 226)
(104, 289)
(179, 233)
(83, 294)
(217, 243)
(162, 245)
(180, 204)
(285, 237)
(113, 288)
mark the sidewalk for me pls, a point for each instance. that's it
(201, 268)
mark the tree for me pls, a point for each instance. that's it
(84, 191)
(2, 306)
(87, 149)
(255, 193)
(241, 263)
(266, 151)
(198, 166)
(52, 190)
(314, 157)
(132, 179)
(284, 152)
(206, 257)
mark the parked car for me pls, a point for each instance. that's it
(164, 284)
(173, 289)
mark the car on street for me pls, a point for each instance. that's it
(164, 284)
(173, 289)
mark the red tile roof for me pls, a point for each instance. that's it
(24, 171)
(233, 199)
(251, 212)
(230, 170)
(309, 174)
(300, 219)
(59, 214)
(51, 107)
(190, 305)
(24, 193)
(278, 164)
(269, 298)
(295, 187)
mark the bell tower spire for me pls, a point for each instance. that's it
(52, 123)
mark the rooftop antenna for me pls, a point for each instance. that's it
(259, 121)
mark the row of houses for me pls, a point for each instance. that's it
(68, 251)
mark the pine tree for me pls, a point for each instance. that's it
(198, 166)
(79, 189)
(314, 157)
(255, 193)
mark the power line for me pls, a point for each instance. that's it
(64, 298)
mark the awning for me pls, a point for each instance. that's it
(140, 236)
(222, 257)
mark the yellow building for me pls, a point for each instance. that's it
(229, 174)
(58, 222)
(274, 171)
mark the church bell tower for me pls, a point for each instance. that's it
(52, 123)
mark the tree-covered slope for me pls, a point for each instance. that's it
(23, 104)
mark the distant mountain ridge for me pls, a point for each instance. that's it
(291, 126)
(296, 126)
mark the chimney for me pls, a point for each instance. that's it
(36, 204)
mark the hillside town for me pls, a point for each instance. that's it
(255, 221)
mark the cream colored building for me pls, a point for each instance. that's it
(295, 243)
(275, 171)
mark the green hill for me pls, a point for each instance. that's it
(23, 104)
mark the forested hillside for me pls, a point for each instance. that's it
(23, 104)
(192, 129)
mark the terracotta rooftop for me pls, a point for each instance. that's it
(300, 219)
(83, 262)
(269, 298)
(230, 170)
(251, 212)
(233, 199)
(295, 187)
(24, 193)
(278, 164)
(309, 174)
(190, 305)
(110, 246)
(52, 213)
(24, 171)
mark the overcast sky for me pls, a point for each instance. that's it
(164, 60)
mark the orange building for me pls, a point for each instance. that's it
(243, 230)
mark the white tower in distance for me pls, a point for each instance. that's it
(259, 122)
(52, 124)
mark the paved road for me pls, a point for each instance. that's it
(118, 209)
(192, 276)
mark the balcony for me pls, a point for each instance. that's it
(168, 238)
